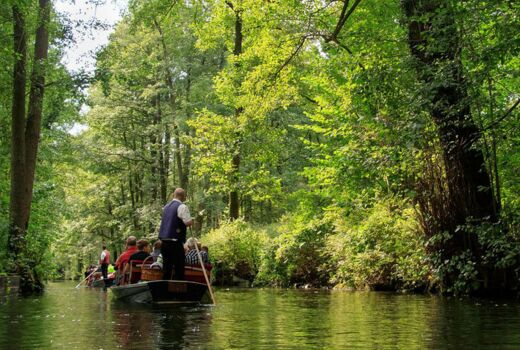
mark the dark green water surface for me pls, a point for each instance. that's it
(68, 318)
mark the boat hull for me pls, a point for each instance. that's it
(133, 293)
(161, 291)
(177, 291)
(103, 283)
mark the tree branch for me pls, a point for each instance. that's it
(344, 16)
(290, 58)
(504, 116)
(346, 12)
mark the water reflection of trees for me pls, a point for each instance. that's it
(69, 318)
(270, 319)
(378, 320)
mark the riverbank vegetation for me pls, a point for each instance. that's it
(357, 144)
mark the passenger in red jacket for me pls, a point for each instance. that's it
(131, 248)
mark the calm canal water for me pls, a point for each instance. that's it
(68, 318)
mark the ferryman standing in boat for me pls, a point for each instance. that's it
(104, 261)
(175, 218)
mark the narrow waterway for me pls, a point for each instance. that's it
(68, 318)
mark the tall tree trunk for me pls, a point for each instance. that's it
(178, 157)
(163, 181)
(166, 158)
(234, 201)
(25, 136)
(176, 133)
(493, 157)
(133, 199)
(123, 195)
(18, 210)
(156, 154)
(32, 131)
(153, 168)
(187, 148)
(434, 43)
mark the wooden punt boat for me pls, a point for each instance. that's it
(161, 291)
(143, 284)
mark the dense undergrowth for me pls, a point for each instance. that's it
(380, 248)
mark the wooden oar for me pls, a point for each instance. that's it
(203, 269)
(86, 278)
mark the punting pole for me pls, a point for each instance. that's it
(86, 278)
(204, 270)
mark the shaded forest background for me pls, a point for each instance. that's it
(331, 143)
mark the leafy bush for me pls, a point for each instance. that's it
(297, 254)
(378, 248)
(236, 247)
(383, 251)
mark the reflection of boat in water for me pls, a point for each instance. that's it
(142, 284)
(159, 326)
(161, 291)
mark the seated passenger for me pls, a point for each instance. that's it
(143, 251)
(89, 271)
(123, 258)
(158, 264)
(206, 250)
(143, 248)
(204, 253)
(156, 250)
(192, 256)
